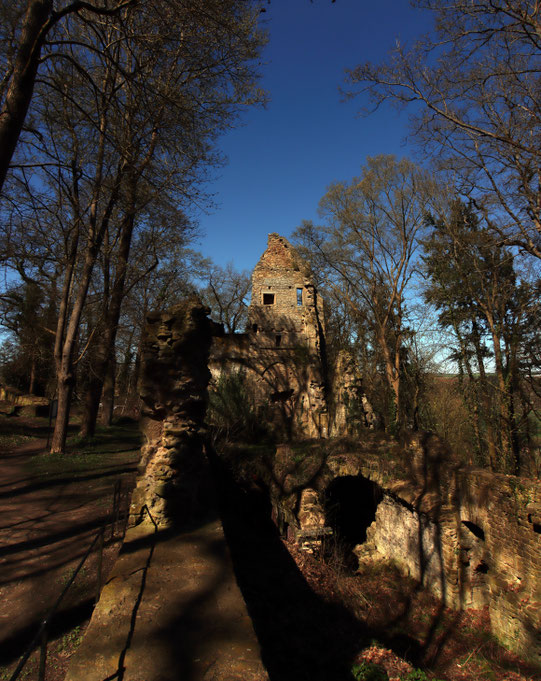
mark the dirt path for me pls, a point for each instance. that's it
(51, 509)
(170, 611)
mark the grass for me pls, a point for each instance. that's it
(67, 576)
(58, 653)
(87, 454)
(71, 641)
(10, 440)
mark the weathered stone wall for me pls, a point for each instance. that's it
(412, 540)
(173, 388)
(281, 354)
(351, 410)
(471, 536)
(505, 511)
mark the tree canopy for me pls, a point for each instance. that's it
(474, 87)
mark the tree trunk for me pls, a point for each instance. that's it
(32, 381)
(21, 88)
(393, 380)
(108, 394)
(64, 391)
(91, 406)
(107, 339)
(64, 351)
(504, 399)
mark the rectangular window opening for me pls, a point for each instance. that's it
(299, 296)
(268, 299)
(278, 340)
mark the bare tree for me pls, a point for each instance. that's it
(226, 294)
(123, 128)
(28, 43)
(369, 244)
(475, 82)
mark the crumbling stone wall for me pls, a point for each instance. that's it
(352, 411)
(173, 389)
(504, 511)
(471, 536)
(281, 354)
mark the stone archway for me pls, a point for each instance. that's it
(350, 508)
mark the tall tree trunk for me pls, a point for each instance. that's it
(107, 339)
(108, 394)
(393, 381)
(32, 381)
(491, 432)
(64, 350)
(91, 403)
(504, 399)
(21, 87)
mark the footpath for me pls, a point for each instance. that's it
(171, 611)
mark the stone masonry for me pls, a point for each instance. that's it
(174, 393)
(281, 355)
(470, 536)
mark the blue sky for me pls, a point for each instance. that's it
(283, 157)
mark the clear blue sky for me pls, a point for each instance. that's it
(283, 157)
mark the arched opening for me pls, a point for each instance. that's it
(350, 508)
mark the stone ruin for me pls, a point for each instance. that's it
(471, 536)
(172, 471)
(281, 355)
(352, 411)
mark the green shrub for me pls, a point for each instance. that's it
(368, 671)
(231, 410)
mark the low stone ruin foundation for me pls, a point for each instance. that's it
(470, 536)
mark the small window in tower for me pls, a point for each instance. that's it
(299, 296)
(254, 328)
(278, 340)
(268, 299)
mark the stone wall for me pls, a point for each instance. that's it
(351, 410)
(173, 389)
(470, 536)
(281, 355)
(504, 511)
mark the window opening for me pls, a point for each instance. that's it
(268, 299)
(278, 340)
(299, 296)
(254, 328)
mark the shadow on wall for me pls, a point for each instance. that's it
(283, 372)
(301, 635)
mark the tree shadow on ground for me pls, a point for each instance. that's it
(66, 620)
(301, 635)
(77, 476)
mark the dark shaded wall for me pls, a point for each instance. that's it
(172, 472)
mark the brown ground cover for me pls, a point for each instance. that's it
(420, 632)
(318, 621)
(51, 509)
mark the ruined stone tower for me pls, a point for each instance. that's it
(281, 355)
(285, 310)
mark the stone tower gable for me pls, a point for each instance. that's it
(280, 255)
(282, 293)
(280, 355)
